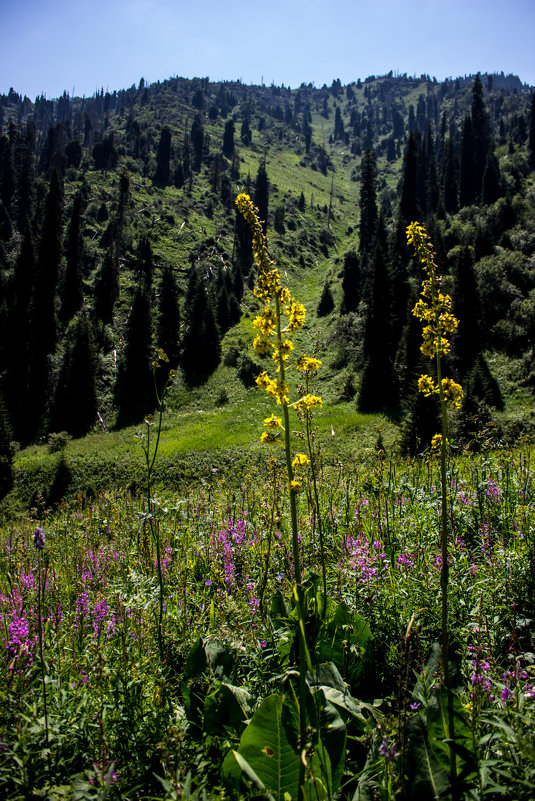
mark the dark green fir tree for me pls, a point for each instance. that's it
(163, 158)
(201, 344)
(72, 296)
(74, 404)
(378, 389)
(134, 388)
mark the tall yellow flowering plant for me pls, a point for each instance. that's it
(280, 317)
(434, 309)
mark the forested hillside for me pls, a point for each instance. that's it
(119, 235)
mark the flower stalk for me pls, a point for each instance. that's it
(434, 310)
(281, 317)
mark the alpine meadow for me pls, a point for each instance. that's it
(267, 423)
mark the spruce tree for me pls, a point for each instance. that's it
(7, 451)
(26, 177)
(531, 138)
(106, 286)
(74, 406)
(492, 188)
(368, 204)
(134, 387)
(351, 283)
(201, 344)
(482, 134)
(168, 330)
(326, 302)
(377, 390)
(43, 321)
(18, 355)
(72, 296)
(467, 183)
(197, 141)
(261, 195)
(228, 139)
(163, 156)
(468, 339)
(450, 188)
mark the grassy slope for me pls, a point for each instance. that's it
(196, 420)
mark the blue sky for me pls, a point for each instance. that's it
(47, 46)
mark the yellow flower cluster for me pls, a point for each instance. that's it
(434, 310)
(308, 365)
(281, 316)
(307, 402)
(275, 387)
(434, 306)
(272, 435)
(301, 460)
(451, 391)
(436, 442)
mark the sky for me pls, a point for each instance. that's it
(81, 46)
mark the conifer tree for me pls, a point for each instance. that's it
(326, 302)
(492, 187)
(7, 451)
(451, 178)
(163, 157)
(106, 286)
(377, 390)
(261, 195)
(409, 203)
(7, 172)
(144, 263)
(197, 141)
(201, 344)
(26, 177)
(18, 355)
(228, 139)
(531, 138)
(168, 330)
(72, 296)
(467, 182)
(368, 204)
(74, 406)
(351, 283)
(482, 134)
(134, 387)
(43, 315)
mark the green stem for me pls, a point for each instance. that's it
(318, 510)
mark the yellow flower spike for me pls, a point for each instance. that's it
(308, 402)
(436, 442)
(262, 345)
(453, 393)
(295, 485)
(271, 438)
(426, 385)
(263, 380)
(273, 422)
(308, 365)
(300, 460)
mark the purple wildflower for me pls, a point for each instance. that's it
(39, 539)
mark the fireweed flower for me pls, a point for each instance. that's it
(39, 539)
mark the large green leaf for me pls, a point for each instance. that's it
(269, 746)
(269, 749)
(343, 639)
(226, 707)
(430, 741)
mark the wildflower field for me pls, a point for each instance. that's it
(93, 706)
(309, 630)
